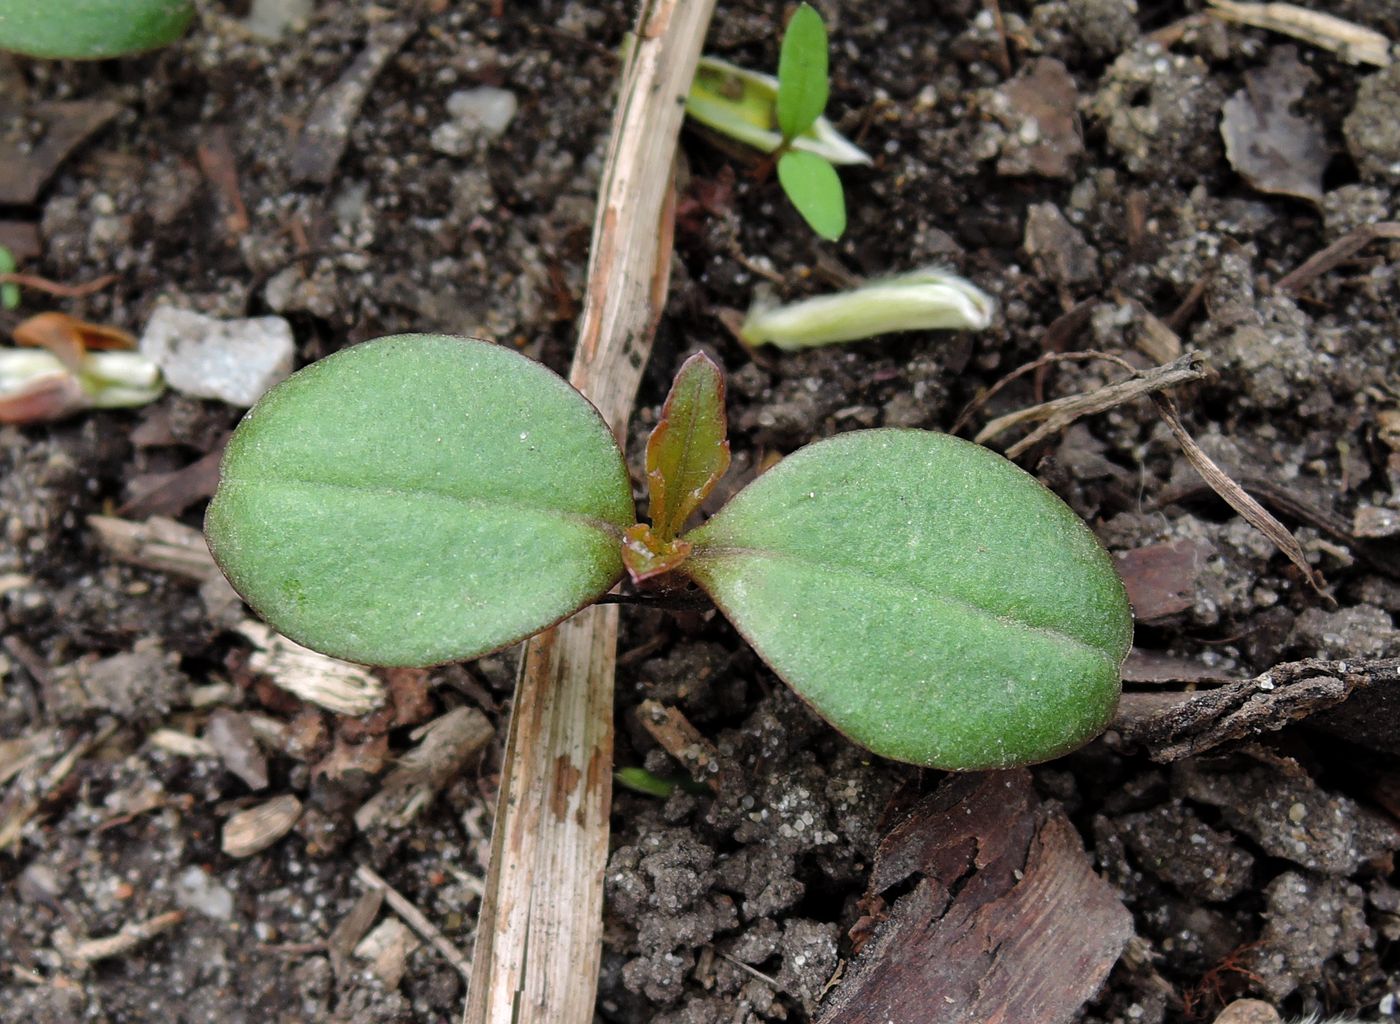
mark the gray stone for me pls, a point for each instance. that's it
(234, 361)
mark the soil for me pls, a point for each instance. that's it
(1094, 172)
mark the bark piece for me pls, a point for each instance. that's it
(255, 829)
(1161, 578)
(1006, 919)
(23, 174)
(1170, 726)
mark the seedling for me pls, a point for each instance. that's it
(9, 291)
(423, 499)
(639, 780)
(67, 366)
(91, 29)
(921, 300)
(783, 116)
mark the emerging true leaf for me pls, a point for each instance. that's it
(928, 598)
(815, 189)
(802, 72)
(687, 452)
(420, 499)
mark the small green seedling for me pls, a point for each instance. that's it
(423, 499)
(639, 780)
(783, 116)
(91, 29)
(9, 291)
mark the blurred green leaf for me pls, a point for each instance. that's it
(91, 29)
(802, 72)
(639, 780)
(9, 293)
(420, 499)
(815, 189)
(928, 598)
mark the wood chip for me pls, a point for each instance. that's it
(24, 751)
(1171, 726)
(21, 802)
(328, 682)
(352, 928)
(230, 734)
(1272, 148)
(1249, 1011)
(1347, 40)
(1002, 917)
(1335, 254)
(255, 829)
(1040, 110)
(169, 494)
(1058, 247)
(1373, 522)
(1162, 578)
(670, 728)
(1154, 667)
(220, 167)
(447, 743)
(388, 948)
(21, 237)
(181, 744)
(158, 543)
(415, 919)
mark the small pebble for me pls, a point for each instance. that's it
(231, 360)
(483, 112)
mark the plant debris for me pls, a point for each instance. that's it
(1274, 149)
(1002, 916)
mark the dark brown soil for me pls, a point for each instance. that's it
(1265, 869)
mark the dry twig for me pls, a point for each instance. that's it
(1061, 412)
(1346, 39)
(1235, 496)
(1342, 249)
(63, 291)
(539, 934)
(131, 935)
(415, 919)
